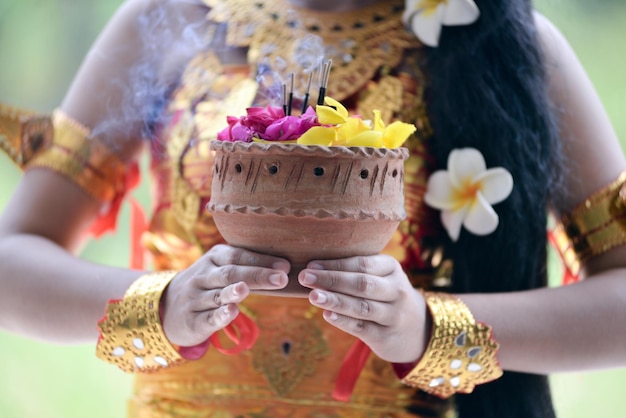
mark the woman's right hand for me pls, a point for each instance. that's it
(203, 298)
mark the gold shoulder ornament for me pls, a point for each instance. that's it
(23, 133)
(596, 225)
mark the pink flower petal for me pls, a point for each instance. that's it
(241, 133)
(259, 118)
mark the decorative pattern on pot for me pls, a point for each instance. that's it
(307, 202)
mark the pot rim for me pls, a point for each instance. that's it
(338, 151)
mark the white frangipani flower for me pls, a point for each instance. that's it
(465, 192)
(425, 17)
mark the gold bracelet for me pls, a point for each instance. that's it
(23, 133)
(83, 159)
(461, 353)
(131, 333)
(599, 223)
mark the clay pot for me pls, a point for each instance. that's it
(307, 202)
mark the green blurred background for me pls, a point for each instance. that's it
(41, 46)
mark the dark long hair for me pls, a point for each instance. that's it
(487, 90)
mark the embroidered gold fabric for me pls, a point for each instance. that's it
(290, 372)
(131, 334)
(23, 133)
(83, 159)
(284, 39)
(461, 353)
(596, 225)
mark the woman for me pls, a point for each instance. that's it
(488, 75)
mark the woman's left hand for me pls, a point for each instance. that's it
(371, 298)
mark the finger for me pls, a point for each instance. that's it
(377, 265)
(356, 284)
(209, 322)
(222, 255)
(214, 298)
(379, 313)
(201, 325)
(256, 278)
(364, 330)
(234, 293)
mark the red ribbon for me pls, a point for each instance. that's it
(138, 225)
(351, 369)
(569, 277)
(243, 332)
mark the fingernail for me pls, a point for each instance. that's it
(309, 279)
(235, 291)
(275, 279)
(226, 311)
(320, 297)
(315, 266)
(331, 316)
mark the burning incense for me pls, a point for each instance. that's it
(290, 104)
(305, 102)
(324, 81)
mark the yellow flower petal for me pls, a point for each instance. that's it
(379, 125)
(352, 128)
(318, 135)
(339, 142)
(264, 141)
(366, 139)
(328, 116)
(396, 133)
(329, 101)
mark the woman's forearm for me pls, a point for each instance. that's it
(48, 294)
(571, 328)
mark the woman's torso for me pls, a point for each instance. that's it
(294, 365)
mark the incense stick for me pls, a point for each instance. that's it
(290, 96)
(324, 84)
(285, 99)
(305, 102)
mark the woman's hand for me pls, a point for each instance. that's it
(372, 299)
(203, 298)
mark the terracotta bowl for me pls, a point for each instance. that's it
(307, 202)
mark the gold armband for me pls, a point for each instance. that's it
(23, 133)
(461, 353)
(83, 159)
(131, 333)
(596, 225)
